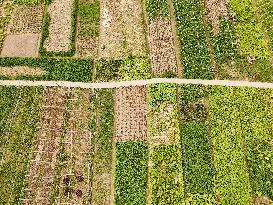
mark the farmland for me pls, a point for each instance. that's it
(102, 40)
(175, 144)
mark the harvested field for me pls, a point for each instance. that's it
(75, 176)
(131, 114)
(21, 45)
(161, 43)
(26, 19)
(216, 9)
(121, 31)
(87, 47)
(21, 70)
(43, 163)
(60, 26)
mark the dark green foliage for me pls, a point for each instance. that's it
(58, 69)
(17, 149)
(156, 8)
(166, 178)
(192, 37)
(131, 173)
(260, 160)
(167, 74)
(199, 175)
(131, 68)
(163, 92)
(89, 19)
(45, 34)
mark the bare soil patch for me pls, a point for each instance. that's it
(21, 70)
(26, 19)
(162, 50)
(76, 172)
(131, 113)
(215, 9)
(60, 27)
(121, 29)
(263, 200)
(22, 45)
(87, 47)
(43, 163)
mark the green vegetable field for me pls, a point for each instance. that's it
(201, 145)
(103, 40)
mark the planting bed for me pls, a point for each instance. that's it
(202, 145)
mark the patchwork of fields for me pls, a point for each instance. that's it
(155, 144)
(106, 40)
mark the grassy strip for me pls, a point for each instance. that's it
(232, 181)
(131, 173)
(261, 163)
(166, 177)
(266, 8)
(89, 19)
(157, 8)
(17, 149)
(192, 36)
(102, 142)
(28, 2)
(194, 137)
(165, 166)
(45, 33)
(58, 69)
(252, 41)
(132, 68)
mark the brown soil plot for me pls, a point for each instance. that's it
(43, 163)
(75, 183)
(161, 43)
(131, 113)
(21, 70)
(121, 29)
(60, 26)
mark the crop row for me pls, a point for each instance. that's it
(157, 8)
(193, 41)
(17, 142)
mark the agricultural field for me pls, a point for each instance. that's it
(155, 144)
(106, 40)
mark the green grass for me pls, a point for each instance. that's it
(192, 37)
(89, 19)
(17, 148)
(131, 173)
(102, 143)
(57, 69)
(131, 68)
(166, 178)
(157, 8)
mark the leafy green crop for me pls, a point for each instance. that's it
(131, 173)
(200, 199)
(192, 37)
(156, 8)
(28, 2)
(18, 145)
(162, 92)
(58, 69)
(166, 177)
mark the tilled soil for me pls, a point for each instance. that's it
(21, 70)
(43, 163)
(131, 113)
(60, 12)
(87, 47)
(121, 29)
(161, 42)
(26, 19)
(76, 172)
(215, 9)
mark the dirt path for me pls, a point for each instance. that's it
(43, 163)
(131, 113)
(135, 83)
(75, 183)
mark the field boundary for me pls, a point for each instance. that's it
(102, 85)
